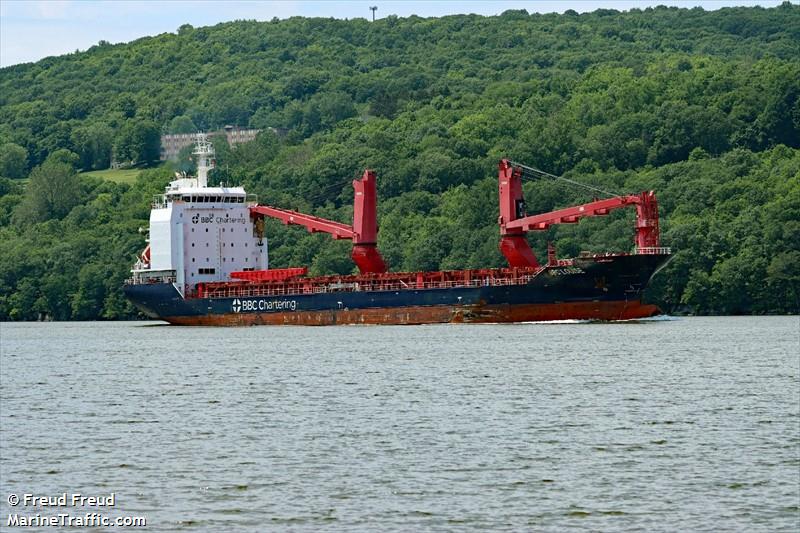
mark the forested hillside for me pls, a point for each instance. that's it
(703, 107)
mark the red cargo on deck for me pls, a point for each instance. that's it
(275, 274)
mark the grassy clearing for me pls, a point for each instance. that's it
(127, 175)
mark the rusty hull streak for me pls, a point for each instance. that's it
(431, 315)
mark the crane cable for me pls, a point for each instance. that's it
(326, 191)
(534, 173)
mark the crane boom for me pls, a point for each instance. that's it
(514, 222)
(337, 230)
(363, 232)
(571, 215)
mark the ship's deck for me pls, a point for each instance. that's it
(394, 281)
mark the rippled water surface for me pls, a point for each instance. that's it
(679, 424)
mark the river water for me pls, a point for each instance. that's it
(676, 424)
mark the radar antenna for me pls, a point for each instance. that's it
(204, 152)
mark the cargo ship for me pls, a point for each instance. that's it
(207, 263)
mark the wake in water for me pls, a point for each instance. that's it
(660, 318)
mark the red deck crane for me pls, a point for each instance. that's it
(514, 223)
(363, 232)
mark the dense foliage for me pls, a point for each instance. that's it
(703, 107)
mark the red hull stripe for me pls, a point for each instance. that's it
(431, 315)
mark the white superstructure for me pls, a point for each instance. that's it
(200, 233)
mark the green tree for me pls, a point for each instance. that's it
(87, 302)
(335, 107)
(13, 160)
(52, 191)
(384, 104)
(783, 278)
(181, 124)
(93, 144)
(138, 141)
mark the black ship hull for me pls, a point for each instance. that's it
(594, 288)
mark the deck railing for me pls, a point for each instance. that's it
(150, 281)
(297, 288)
(159, 201)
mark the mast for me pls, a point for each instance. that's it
(204, 153)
